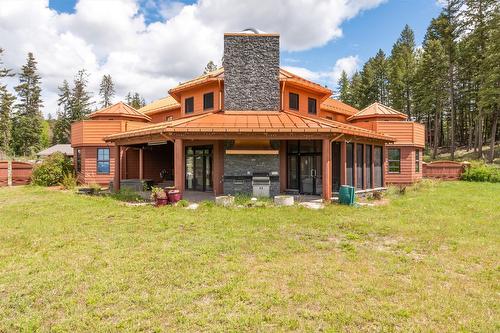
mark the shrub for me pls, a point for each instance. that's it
(69, 181)
(157, 193)
(481, 172)
(127, 195)
(182, 203)
(52, 170)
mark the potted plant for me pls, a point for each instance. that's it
(174, 196)
(159, 196)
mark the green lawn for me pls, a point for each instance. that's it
(429, 261)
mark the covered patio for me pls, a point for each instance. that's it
(342, 154)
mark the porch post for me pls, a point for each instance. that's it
(179, 165)
(373, 167)
(141, 163)
(283, 170)
(343, 163)
(327, 170)
(117, 178)
(218, 171)
(384, 161)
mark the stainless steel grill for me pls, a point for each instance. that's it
(261, 184)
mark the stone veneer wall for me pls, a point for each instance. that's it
(239, 169)
(251, 72)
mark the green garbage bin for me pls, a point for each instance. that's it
(346, 195)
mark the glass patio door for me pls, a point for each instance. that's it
(310, 174)
(199, 168)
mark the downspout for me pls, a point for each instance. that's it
(283, 95)
(220, 95)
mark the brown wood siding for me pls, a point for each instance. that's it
(303, 100)
(92, 132)
(89, 174)
(198, 93)
(162, 116)
(130, 167)
(407, 174)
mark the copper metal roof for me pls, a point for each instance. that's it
(120, 109)
(378, 110)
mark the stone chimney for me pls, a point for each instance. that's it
(251, 71)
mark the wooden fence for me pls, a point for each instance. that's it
(15, 173)
(446, 170)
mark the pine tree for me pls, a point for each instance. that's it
(81, 104)
(489, 92)
(106, 91)
(344, 88)
(475, 21)
(6, 102)
(374, 80)
(401, 72)
(135, 100)
(210, 67)
(27, 120)
(62, 126)
(431, 90)
(357, 93)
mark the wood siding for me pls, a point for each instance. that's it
(304, 95)
(405, 132)
(92, 132)
(408, 173)
(88, 173)
(197, 93)
(163, 115)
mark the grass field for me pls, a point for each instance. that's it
(428, 261)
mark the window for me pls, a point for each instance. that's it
(103, 161)
(417, 160)
(379, 170)
(169, 118)
(360, 162)
(350, 164)
(78, 160)
(311, 106)
(394, 160)
(293, 101)
(208, 101)
(189, 105)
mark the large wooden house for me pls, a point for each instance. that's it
(250, 124)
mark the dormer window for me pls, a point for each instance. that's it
(311, 106)
(189, 105)
(293, 101)
(208, 101)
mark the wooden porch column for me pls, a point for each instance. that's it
(384, 161)
(117, 175)
(141, 163)
(327, 169)
(179, 165)
(283, 170)
(343, 163)
(218, 171)
(373, 167)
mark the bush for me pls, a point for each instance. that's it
(481, 172)
(52, 170)
(127, 195)
(182, 203)
(69, 181)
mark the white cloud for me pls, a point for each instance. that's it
(112, 37)
(330, 77)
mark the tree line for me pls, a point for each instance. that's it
(451, 84)
(23, 129)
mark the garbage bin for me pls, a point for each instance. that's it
(346, 195)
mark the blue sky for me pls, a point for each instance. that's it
(149, 46)
(363, 35)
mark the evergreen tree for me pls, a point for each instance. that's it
(210, 67)
(344, 88)
(135, 100)
(489, 92)
(62, 126)
(431, 89)
(27, 120)
(374, 80)
(6, 102)
(81, 104)
(401, 72)
(357, 92)
(106, 91)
